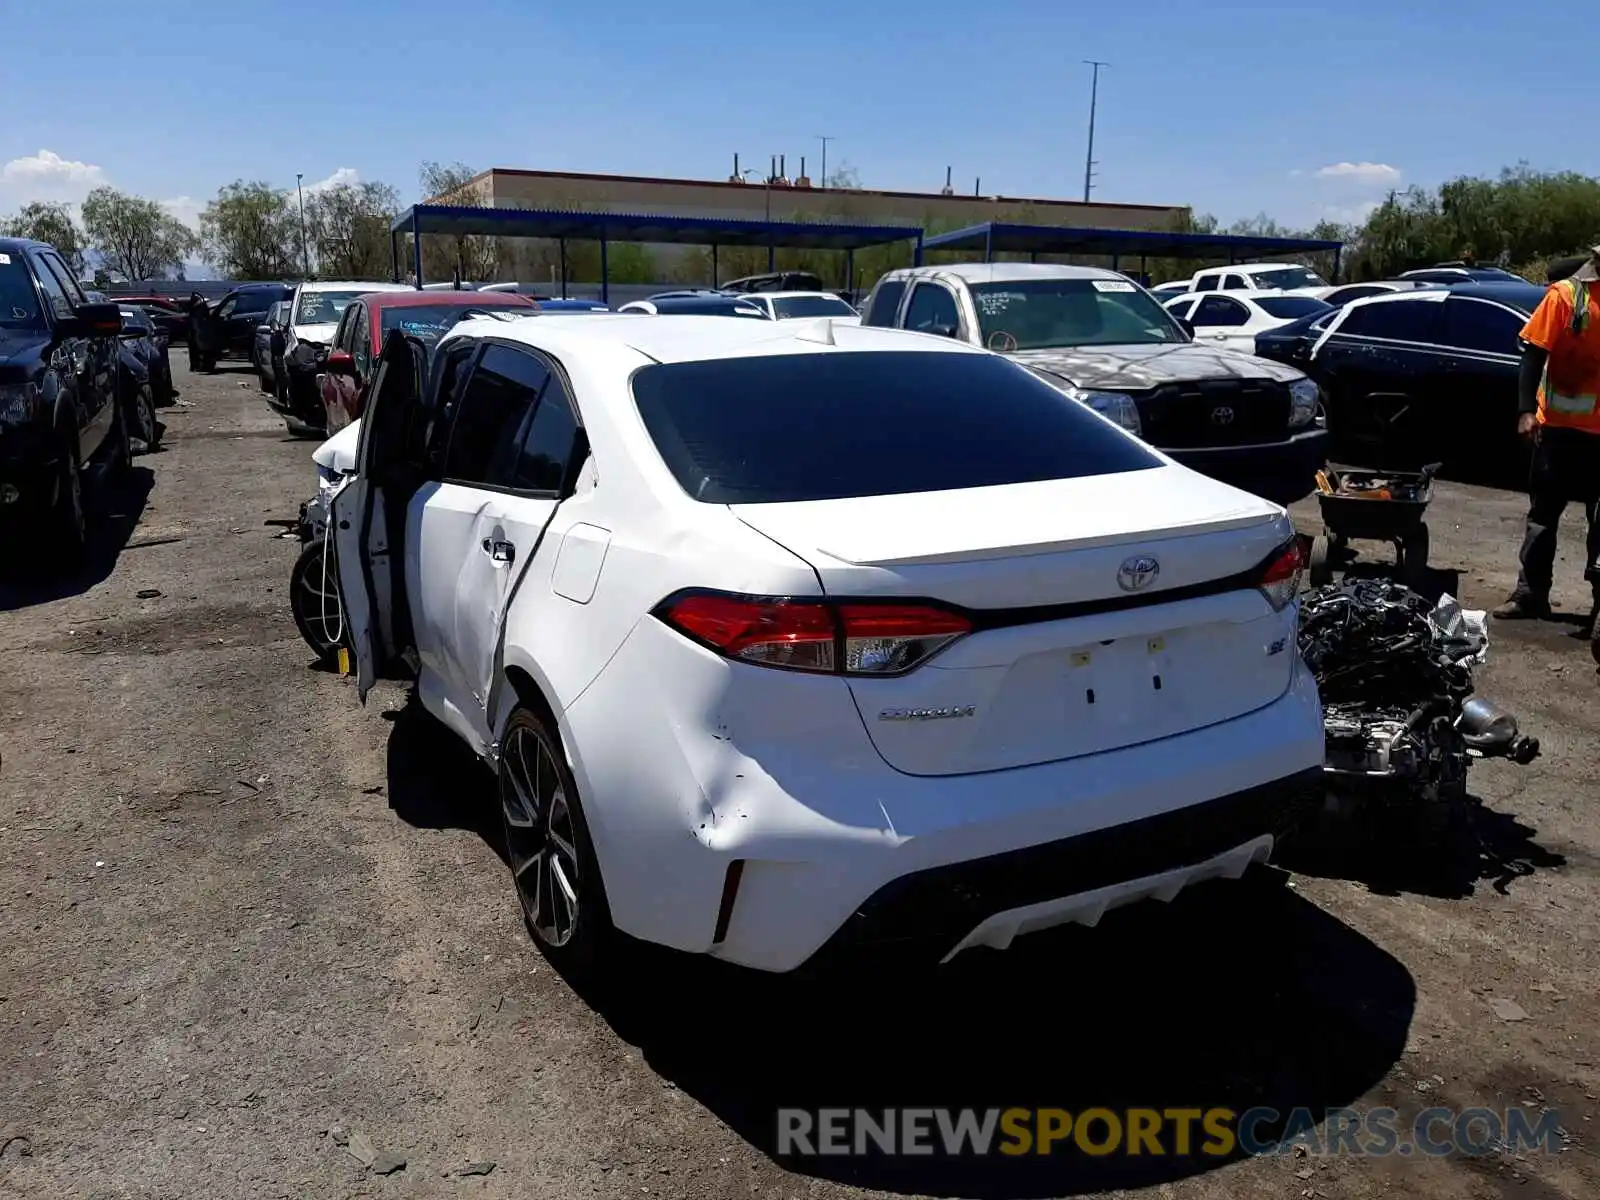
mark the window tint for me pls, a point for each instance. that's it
(1207, 283)
(931, 305)
(885, 303)
(345, 334)
(1037, 314)
(1219, 310)
(1288, 277)
(547, 443)
(361, 338)
(69, 283)
(1347, 294)
(1236, 283)
(1399, 320)
(483, 436)
(812, 306)
(1290, 308)
(917, 422)
(54, 293)
(1181, 308)
(225, 309)
(1475, 325)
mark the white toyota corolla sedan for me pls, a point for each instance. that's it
(795, 641)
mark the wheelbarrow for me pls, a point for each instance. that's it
(1378, 506)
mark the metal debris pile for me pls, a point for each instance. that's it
(1395, 675)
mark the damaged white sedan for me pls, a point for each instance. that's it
(795, 641)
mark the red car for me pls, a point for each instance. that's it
(427, 316)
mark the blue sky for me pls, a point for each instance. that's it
(1234, 108)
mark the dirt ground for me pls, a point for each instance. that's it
(248, 927)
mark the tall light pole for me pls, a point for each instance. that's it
(1094, 96)
(305, 246)
(825, 140)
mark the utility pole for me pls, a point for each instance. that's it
(1094, 96)
(305, 246)
(825, 140)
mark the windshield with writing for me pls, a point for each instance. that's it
(19, 303)
(1287, 277)
(1044, 314)
(323, 308)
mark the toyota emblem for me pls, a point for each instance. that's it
(1222, 415)
(1136, 573)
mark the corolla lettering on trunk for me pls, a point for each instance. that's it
(1137, 572)
(927, 714)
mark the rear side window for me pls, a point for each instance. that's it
(501, 391)
(1477, 325)
(771, 429)
(548, 441)
(1219, 310)
(885, 303)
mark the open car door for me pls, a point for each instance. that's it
(368, 515)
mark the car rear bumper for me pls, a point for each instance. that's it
(1282, 472)
(687, 764)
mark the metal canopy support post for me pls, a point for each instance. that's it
(988, 244)
(416, 244)
(1144, 268)
(714, 273)
(1337, 255)
(850, 271)
(394, 257)
(771, 254)
(562, 244)
(1033, 256)
(605, 271)
(1116, 262)
(916, 259)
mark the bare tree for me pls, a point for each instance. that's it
(471, 255)
(136, 238)
(349, 226)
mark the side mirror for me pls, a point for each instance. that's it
(340, 363)
(1185, 324)
(92, 320)
(949, 331)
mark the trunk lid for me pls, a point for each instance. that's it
(1039, 681)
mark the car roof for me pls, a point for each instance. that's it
(415, 298)
(1507, 291)
(1255, 266)
(810, 295)
(355, 285)
(16, 243)
(1007, 272)
(1242, 294)
(691, 338)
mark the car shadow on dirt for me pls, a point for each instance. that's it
(115, 507)
(1202, 1004)
(435, 781)
(1417, 848)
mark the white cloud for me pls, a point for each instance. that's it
(48, 176)
(1370, 173)
(185, 208)
(340, 178)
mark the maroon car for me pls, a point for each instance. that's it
(427, 316)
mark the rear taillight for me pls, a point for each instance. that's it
(848, 638)
(1280, 579)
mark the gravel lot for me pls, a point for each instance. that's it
(245, 920)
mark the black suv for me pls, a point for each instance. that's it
(228, 328)
(58, 396)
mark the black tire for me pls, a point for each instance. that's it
(1319, 571)
(318, 615)
(145, 426)
(547, 843)
(66, 525)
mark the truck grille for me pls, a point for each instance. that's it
(1215, 412)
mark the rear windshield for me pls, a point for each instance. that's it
(812, 306)
(430, 322)
(770, 429)
(1291, 308)
(1287, 277)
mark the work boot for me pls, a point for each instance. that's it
(1594, 632)
(1523, 608)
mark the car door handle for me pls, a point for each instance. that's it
(500, 552)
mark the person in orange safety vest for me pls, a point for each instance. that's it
(1559, 412)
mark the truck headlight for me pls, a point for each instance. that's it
(1114, 406)
(19, 403)
(1304, 396)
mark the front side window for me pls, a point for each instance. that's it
(54, 293)
(1236, 283)
(1477, 325)
(69, 283)
(932, 307)
(1219, 310)
(1395, 320)
(1208, 283)
(361, 338)
(1040, 314)
(916, 421)
(501, 391)
(547, 443)
(885, 303)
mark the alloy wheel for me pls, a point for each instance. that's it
(539, 836)
(316, 604)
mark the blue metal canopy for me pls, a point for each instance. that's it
(607, 227)
(993, 237)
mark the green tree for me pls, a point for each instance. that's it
(252, 231)
(51, 224)
(134, 237)
(349, 229)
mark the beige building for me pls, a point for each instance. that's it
(503, 187)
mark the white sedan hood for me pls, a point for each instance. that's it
(321, 334)
(338, 453)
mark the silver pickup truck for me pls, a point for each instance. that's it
(1107, 343)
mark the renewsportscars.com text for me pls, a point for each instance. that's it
(1173, 1132)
